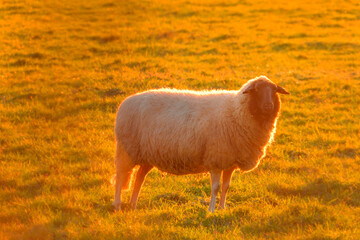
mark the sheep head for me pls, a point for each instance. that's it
(264, 102)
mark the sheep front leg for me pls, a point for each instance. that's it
(140, 177)
(225, 185)
(215, 186)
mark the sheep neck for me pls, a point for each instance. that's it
(248, 136)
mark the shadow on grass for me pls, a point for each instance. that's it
(325, 46)
(223, 220)
(105, 39)
(284, 222)
(327, 191)
(4, 183)
(9, 218)
(170, 198)
(346, 153)
(44, 231)
(28, 191)
(157, 201)
(159, 217)
(48, 114)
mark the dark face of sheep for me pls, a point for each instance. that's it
(264, 102)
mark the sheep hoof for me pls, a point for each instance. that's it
(116, 207)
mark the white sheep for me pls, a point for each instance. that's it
(187, 132)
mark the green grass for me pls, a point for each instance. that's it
(65, 66)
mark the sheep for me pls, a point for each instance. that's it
(188, 132)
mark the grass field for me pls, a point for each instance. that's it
(65, 66)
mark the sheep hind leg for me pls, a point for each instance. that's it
(122, 180)
(140, 177)
(117, 198)
(215, 186)
(226, 178)
(124, 170)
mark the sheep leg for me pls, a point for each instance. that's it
(124, 169)
(140, 177)
(121, 180)
(215, 186)
(117, 199)
(226, 178)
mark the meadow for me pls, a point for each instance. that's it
(65, 66)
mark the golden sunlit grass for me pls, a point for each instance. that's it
(65, 66)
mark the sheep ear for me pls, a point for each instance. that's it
(281, 90)
(249, 89)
